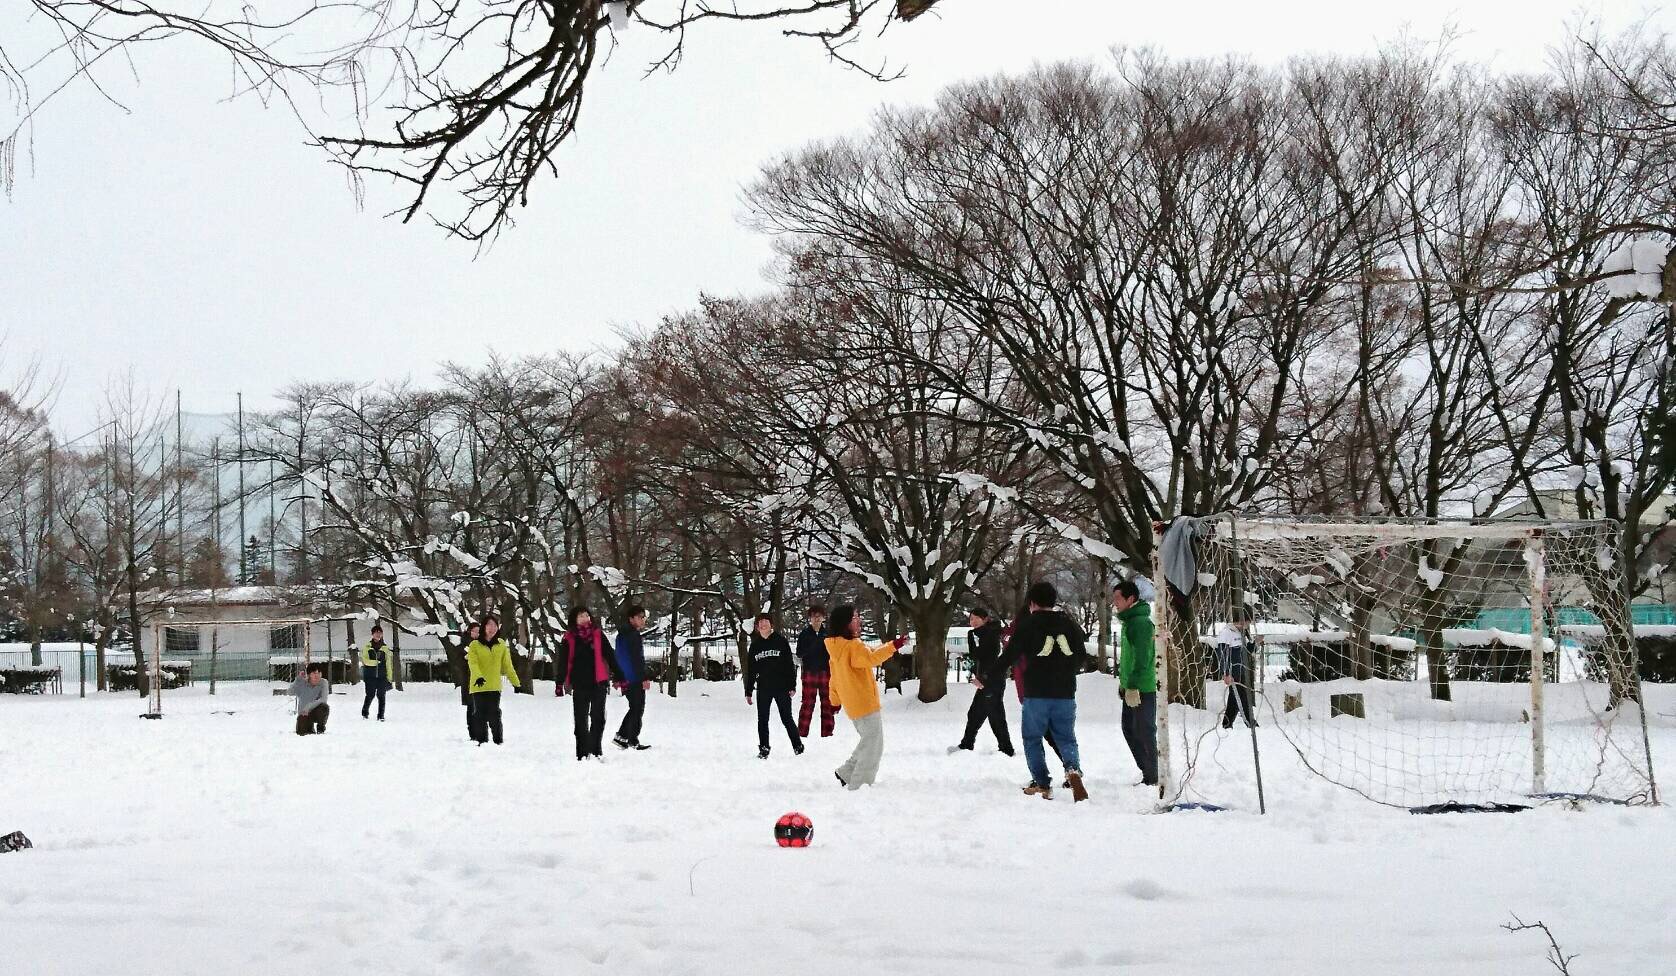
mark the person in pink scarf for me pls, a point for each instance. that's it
(585, 668)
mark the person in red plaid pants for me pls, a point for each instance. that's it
(817, 674)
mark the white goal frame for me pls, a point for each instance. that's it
(154, 663)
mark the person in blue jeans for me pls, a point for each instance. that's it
(1056, 650)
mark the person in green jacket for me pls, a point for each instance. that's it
(1137, 676)
(488, 658)
(378, 666)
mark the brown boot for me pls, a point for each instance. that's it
(1079, 792)
(1045, 792)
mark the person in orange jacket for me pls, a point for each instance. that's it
(856, 691)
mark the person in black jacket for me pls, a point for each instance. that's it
(817, 674)
(771, 675)
(989, 679)
(471, 632)
(1055, 648)
(586, 666)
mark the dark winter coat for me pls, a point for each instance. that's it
(984, 646)
(631, 656)
(772, 667)
(1056, 650)
(811, 650)
(584, 660)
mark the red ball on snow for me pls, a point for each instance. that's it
(794, 830)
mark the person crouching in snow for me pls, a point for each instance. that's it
(488, 659)
(856, 691)
(771, 675)
(586, 669)
(1056, 650)
(311, 691)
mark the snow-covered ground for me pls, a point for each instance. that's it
(217, 842)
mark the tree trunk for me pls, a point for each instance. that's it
(143, 680)
(1437, 661)
(99, 645)
(1361, 642)
(931, 653)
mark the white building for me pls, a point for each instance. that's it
(248, 648)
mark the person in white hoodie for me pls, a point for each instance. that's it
(1233, 667)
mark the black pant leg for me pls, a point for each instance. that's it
(782, 700)
(579, 715)
(629, 731)
(320, 716)
(976, 714)
(596, 716)
(1140, 731)
(764, 703)
(383, 689)
(477, 716)
(998, 719)
(490, 706)
(372, 691)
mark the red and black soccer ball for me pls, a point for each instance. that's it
(794, 830)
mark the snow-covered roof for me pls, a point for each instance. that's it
(1596, 630)
(1283, 633)
(225, 596)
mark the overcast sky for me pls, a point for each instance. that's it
(199, 243)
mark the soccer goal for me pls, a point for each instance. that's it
(302, 629)
(1420, 664)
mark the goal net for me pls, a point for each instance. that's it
(201, 645)
(1420, 664)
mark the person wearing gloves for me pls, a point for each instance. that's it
(1056, 650)
(856, 691)
(311, 691)
(377, 668)
(817, 674)
(1137, 677)
(771, 677)
(989, 681)
(631, 660)
(488, 659)
(586, 669)
(1233, 667)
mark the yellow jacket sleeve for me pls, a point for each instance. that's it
(882, 653)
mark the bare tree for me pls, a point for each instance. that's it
(479, 97)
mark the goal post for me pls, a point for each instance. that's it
(1418, 663)
(156, 660)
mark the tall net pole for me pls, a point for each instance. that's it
(1535, 551)
(1160, 643)
(154, 674)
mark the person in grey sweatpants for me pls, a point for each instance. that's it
(856, 691)
(312, 711)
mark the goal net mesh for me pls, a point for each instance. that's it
(1396, 660)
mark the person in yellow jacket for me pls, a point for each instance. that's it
(378, 667)
(855, 689)
(487, 659)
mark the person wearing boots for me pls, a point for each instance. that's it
(377, 668)
(989, 682)
(1054, 645)
(586, 668)
(771, 677)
